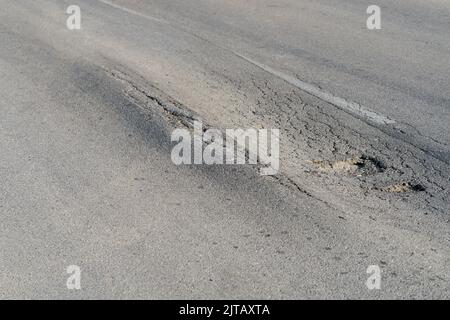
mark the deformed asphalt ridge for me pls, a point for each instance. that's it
(366, 225)
(88, 181)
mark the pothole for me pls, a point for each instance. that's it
(404, 187)
(355, 166)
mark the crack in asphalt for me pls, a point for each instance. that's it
(325, 137)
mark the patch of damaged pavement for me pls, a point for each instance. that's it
(326, 152)
(349, 161)
(404, 187)
(355, 166)
(350, 164)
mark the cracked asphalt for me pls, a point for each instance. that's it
(87, 177)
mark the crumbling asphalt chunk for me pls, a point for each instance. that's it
(356, 166)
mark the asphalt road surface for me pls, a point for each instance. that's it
(85, 149)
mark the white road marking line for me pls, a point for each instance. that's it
(339, 102)
(109, 3)
(342, 103)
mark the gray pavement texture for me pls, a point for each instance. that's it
(85, 151)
